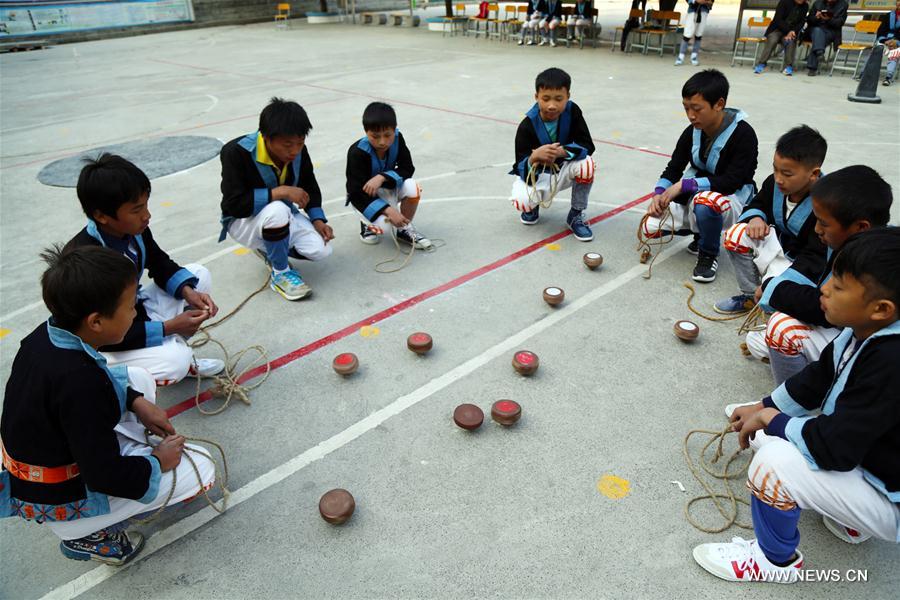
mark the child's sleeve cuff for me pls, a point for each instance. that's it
(152, 485)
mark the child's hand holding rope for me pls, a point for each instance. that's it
(152, 417)
(168, 452)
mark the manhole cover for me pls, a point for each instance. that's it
(155, 157)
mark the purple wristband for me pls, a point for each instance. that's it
(658, 190)
(689, 186)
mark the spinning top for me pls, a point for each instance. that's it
(645, 256)
(506, 412)
(468, 416)
(336, 506)
(592, 260)
(419, 342)
(686, 330)
(553, 295)
(345, 364)
(525, 362)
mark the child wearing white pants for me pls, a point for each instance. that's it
(409, 191)
(532, 22)
(698, 12)
(133, 443)
(304, 242)
(578, 175)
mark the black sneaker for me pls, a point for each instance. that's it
(111, 548)
(409, 235)
(530, 217)
(705, 270)
(694, 247)
(367, 235)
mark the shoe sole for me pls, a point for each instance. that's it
(581, 239)
(743, 311)
(284, 295)
(692, 252)
(524, 222)
(701, 279)
(371, 240)
(85, 556)
(841, 535)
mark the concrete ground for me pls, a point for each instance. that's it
(441, 512)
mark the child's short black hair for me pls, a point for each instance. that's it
(109, 181)
(804, 145)
(709, 83)
(283, 117)
(84, 280)
(855, 193)
(871, 257)
(379, 116)
(552, 79)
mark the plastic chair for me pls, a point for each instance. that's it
(861, 27)
(282, 14)
(752, 23)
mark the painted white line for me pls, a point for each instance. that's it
(178, 530)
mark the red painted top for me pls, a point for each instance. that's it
(344, 359)
(420, 338)
(507, 406)
(526, 358)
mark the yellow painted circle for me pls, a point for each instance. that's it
(613, 487)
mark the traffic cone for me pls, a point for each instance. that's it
(868, 83)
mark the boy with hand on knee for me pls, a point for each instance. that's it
(832, 432)
(778, 226)
(73, 425)
(114, 194)
(379, 180)
(844, 202)
(720, 149)
(267, 177)
(532, 23)
(553, 137)
(550, 23)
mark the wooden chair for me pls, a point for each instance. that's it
(861, 28)
(282, 14)
(494, 22)
(741, 42)
(510, 21)
(669, 23)
(456, 23)
(635, 13)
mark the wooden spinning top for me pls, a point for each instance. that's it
(686, 330)
(525, 362)
(419, 342)
(336, 506)
(345, 364)
(553, 295)
(592, 260)
(506, 412)
(468, 416)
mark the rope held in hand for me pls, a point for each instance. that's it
(646, 243)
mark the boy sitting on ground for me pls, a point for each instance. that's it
(73, 426)
(267, 177)
(721, 149)
(832, 432)
(379, 179)
(114, 194)
(553, 138)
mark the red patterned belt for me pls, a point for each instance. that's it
(37, 474)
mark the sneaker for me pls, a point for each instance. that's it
(846, 534)
(111, 548)
(553, 43)
(886, 81)
(730, 408)
(759, 68)
(543, 43)
(705, 270)
(409, 235)
(695, 59)
(367, 235)
(736, 305)
(788, 70)
(694, 246)
(680, 60)
(520, 42)
(290, 285)
(811, 72)
(530, 217)
(206, 367)
(529, 43)
(743, 560)
(576, 223)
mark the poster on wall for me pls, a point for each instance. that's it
(43, 17)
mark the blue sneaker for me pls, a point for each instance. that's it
(576, 223)
(289, 285)
(735, 305)
(530, 217)
(759, 68)
(788, 70)
(111, 548)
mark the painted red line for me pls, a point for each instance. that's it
(401, 306)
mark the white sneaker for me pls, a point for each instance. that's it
(730, 408)
(680, 60)
(520, 42)
(552, 43)
(743, 560)
(846, 534)
(695, 59)
(529, 43)
(543, 43)
(206, 367)
(289, 285)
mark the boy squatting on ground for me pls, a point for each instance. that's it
(114, 195)
(553, 132)
(778, 226)
(845, 202)
(721, 149)
(74, 451)
(267, 176)
(832, 432)
(379, 179)
(698, 13)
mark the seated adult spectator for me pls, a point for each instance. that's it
(823, 27)
(889, 34)
(785, 28)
